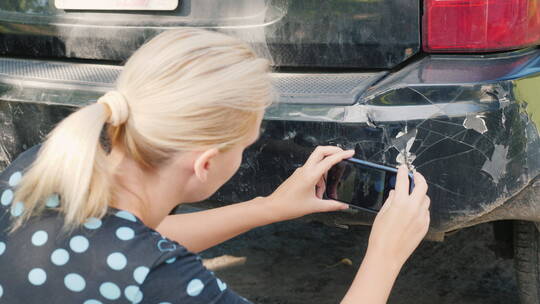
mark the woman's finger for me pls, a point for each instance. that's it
(331, 205)
(320, 153)
(320, 187)
(426, 203)
(402, 182)
(332, 160)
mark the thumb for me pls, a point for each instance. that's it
(331, 205)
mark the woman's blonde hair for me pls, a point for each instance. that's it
(186, 89)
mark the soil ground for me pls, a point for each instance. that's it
(300, 262)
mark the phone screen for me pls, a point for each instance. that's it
(360, 185)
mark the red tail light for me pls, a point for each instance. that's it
(480, 25)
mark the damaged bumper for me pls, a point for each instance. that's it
(470, 124)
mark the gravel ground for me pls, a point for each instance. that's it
(299, 262)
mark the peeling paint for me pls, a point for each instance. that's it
(403, 143)
(475, 122)
(496, 166)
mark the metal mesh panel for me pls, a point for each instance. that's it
(325, 84)
(292, 88)
(59, 72)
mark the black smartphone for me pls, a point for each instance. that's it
(361, 184)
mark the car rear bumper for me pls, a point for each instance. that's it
(469, 124)
(474, 120)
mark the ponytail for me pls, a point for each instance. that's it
(72, 164)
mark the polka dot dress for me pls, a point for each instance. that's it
(114, 259)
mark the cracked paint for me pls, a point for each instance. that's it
(496, 165)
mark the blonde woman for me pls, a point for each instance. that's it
(80, 225)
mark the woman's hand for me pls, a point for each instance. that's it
(398, 229)
(402, 222)
(302, 192)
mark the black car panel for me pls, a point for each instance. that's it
(310, 33)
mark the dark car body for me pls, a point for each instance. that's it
(347, 73)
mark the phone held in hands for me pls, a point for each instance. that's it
(362, 184)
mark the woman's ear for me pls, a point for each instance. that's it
(202, 163)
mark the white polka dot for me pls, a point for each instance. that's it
(17, 209)
(60, 257)
(37, 276)
(7, 197)
(53, 201)
(126, 215)
(125, 233)
(78, 243)
(39, 238)
(133, 294)
(109, 291)
(92, 223)
(140, 274)
(171, 260)
(1, 291)
(165, 303)
(15, 178)
(92, 301)
(116, 261)
(194, 287)
(74, 282)
(222, 286)
(2, 247)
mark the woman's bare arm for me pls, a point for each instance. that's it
(299, 195)
(201, 230)
(373, 282)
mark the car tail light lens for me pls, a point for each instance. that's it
(480, 25)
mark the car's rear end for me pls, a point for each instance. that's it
(449, 87)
